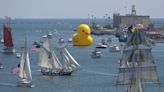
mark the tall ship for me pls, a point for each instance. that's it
(137, 65)
(52, 65)
(8, 41)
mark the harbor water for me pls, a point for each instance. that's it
(94, 75)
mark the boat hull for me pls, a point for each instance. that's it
(23, 83)
(8, 50)
(56, 74)
(102, 46)
(96, 55)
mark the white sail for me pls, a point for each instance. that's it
(28, 66)
(22, 73)
(66, 66)
(46, 44)
(52, 65)
(71, 62)
(48, 59)
(44, 59)
(25, 70)
(57, 67)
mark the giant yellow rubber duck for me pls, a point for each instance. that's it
(82, 37)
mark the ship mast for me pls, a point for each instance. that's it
(137, 64)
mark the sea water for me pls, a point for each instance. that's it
(94, 75)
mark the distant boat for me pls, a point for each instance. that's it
(114, 48)
(18, 55)
(103, 44)
(52, 65)
(61, 40)
(8, 41)
(96, 54)
(2, 41)
(25, 77)
(70, 40)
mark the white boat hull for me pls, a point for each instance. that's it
(96, 55)
(102, 46)
(24, 83)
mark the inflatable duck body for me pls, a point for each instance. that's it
(82, 37)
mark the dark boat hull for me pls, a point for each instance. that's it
(56, 74)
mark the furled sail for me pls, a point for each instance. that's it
(143, 54)
(136, 38)
(148, 74)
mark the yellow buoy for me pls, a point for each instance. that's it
(82, 37)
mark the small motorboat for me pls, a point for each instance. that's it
(2, 41)
(103, 44)
(96, 54)
(70, 40)
(114, 48)
(100, 45)
(18, 55)
(61, 40)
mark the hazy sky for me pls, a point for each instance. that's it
(78, 8)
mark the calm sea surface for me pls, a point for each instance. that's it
(94, 75)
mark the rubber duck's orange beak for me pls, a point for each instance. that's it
(88, 33)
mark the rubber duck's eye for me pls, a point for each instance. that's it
(82, 30)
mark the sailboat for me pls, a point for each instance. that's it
(8, 42)
(25, 77)
(52, 65)
(137, 65)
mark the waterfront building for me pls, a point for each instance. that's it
(121, 21)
